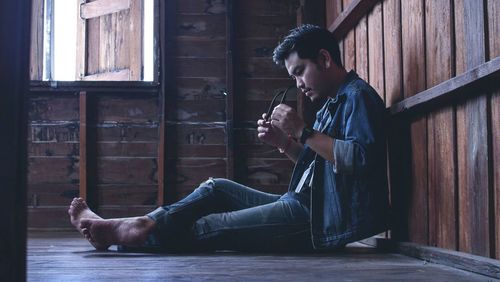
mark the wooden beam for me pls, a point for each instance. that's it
(81, 46)
(348, 19)
(229, 90)
(447, 89)
(83, 145)
(118, 75)
(468, 262)
(103, 7)
(95, 86)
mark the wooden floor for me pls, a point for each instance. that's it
(67, 257)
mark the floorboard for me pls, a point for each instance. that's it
(56, 256)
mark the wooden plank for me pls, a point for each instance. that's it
(103, 7)
(119, 109)
(72, 87)
(351, 16)
(460, 260)
(37, 31)
(376, 50)
(264, 26)
(81, 44)
(333, 10)
(124, 195)
(207, 26)
(200, 47)
(198, 7)
(192, 111)
(43, 170)
(200, 67)
(230, 93)
(135, 33)
(126, 170)
(50, 108)
(472, 136)
(117, 75)
(362, 49)
(193, 171)
(413, 73)
(127, 149)
(441, 133)
(51, 194)
(200, 89)
(349, 44)
(267, 8)
(493, 8)
(393, 68)
(83, 189)
(451, 89)
(14, 77)
(127, 132)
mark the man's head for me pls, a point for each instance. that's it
(311, 56)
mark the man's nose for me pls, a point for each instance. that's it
(300, 83)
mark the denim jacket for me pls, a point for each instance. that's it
(349, 197)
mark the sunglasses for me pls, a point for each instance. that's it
(283, 98)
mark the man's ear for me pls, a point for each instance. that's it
(324, 59)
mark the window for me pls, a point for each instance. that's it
(96, 40)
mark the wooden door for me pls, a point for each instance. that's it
(109, 40)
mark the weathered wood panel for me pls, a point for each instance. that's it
(472, 130)
(361, 33)
(441, 129)
(414, 81)
(333, 10)
(124, 170)
(376, 50)
(125, 195)
(493, 8)
(349, 45)
(249, 26)
(392, 26)
(37, 31)
(205, 26)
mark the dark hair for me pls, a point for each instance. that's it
(307, 40)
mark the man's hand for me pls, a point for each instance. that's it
(287, 120)
(270, 134)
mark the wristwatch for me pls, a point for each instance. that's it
(306, 133)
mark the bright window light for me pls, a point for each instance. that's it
(64, 52)
(148, 44)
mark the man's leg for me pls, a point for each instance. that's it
(170, 222)
(174, 222)
(279, 226)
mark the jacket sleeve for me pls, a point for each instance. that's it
(363, 118)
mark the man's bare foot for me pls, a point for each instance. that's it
(79, 210)
(131, 231)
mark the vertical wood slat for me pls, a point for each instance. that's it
(413, 57)
(392, 51)
(160, 198)
(37, 30)
(135, 39)
(361, 35)
(349, 46)
(441, 129)
(333, 10)
(230, 90)
(493, 15)
(472, 169)
(376, 50)
(83, 168)
(81, 44)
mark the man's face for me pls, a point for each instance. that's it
(310, 76)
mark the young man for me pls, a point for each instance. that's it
(338, 190)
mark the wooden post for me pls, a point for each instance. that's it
(229, 90)
(83, 145)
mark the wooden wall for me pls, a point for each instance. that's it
(148, 145)
(404, 48)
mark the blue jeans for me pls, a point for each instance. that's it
(223, 215)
